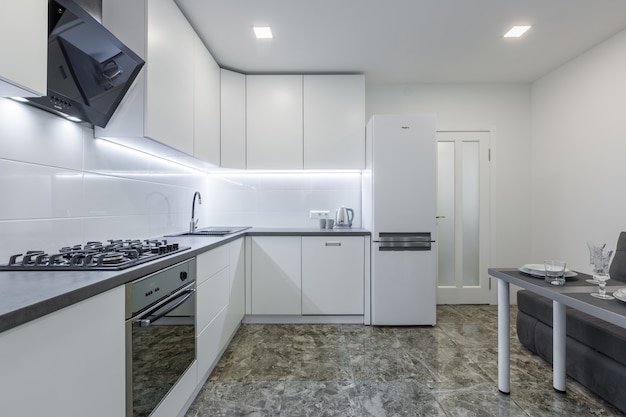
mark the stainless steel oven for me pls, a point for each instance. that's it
(160, 335)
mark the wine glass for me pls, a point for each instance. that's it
(601, 260)
(595, 252)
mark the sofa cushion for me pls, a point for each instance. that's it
(598, 334)
(599, 373)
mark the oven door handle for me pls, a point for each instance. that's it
(185, 293)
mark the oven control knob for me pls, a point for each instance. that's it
(183, 275)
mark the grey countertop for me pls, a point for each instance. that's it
(28, 295)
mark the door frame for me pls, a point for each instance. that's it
(491, 234)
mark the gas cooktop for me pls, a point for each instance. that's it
(112, 255)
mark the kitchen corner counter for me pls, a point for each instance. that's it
(29, 295)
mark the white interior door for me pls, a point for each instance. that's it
(463, 217)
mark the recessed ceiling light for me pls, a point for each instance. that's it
(262, 32)
(516, 31)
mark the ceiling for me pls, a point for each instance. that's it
(404, 41)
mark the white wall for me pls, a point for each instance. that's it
(59, 186)
(505, 111)
(578, 174)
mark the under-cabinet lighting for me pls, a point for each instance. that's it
(20, 99)
(262, 32)
(285, 171)
(516, 31)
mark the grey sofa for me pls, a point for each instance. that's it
(595, 349)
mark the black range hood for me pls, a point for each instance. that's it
(89, 69)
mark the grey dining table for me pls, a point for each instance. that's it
(575, 294)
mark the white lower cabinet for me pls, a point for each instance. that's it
(307, 275)
(275, 275)
(237, 299)
(333, 275)
(212, 308)
(68, 363)
(220, 301)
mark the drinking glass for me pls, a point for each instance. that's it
(555, 272)
(601, 259)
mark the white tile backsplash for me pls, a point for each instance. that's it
(38, 137)
(281, 199)
(59, 186)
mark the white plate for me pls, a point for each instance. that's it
(542, 272)
(621, 292)
(620, 295)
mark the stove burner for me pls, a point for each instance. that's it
(116, 255)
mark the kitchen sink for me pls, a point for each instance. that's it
(213, 231)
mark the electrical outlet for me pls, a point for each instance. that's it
(319, 214)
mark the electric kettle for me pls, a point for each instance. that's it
(344, 217)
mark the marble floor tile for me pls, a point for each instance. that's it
(327, 370)
(320, 399)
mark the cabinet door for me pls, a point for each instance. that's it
(24, 63)
(275, 275)
(169, 76)
(68, 363)
(236, 303)
(333, 275)
(274, 121)
(334, 121)
(233, 120)
(206, 94)
(212, 304)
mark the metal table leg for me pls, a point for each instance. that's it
(504, 343)
(558, 346)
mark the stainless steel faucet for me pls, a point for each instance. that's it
(193, 223)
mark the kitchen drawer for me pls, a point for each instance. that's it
(210, 343)
(212, 296)
(209, 263)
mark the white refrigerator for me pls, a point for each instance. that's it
(399, 207)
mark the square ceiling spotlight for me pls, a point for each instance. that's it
(262, 32)
(516, 31)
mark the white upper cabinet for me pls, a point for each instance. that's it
(304, 122)
(233, 120)
(169, 81)
(334, 122)
(206, 105)
(24, 46)
(274, 122)
(161, 104)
